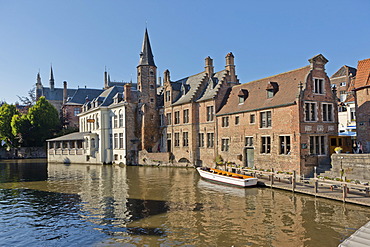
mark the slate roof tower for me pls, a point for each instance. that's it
(147, 87)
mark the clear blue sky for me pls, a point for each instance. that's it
(81, 37)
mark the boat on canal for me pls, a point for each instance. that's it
(226, 177)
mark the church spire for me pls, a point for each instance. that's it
(51, 80)
(146, 55)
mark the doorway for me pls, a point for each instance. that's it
(249, 157)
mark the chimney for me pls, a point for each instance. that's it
(166, 76)
(230, 66)
(127, 92)
(209, 66)
(64, 92)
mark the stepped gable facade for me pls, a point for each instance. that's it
(189, 111)
(362, 99)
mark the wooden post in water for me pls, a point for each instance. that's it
(272, 177)
(293, 181)
(367, 194)
(316, 185)
(344, 192)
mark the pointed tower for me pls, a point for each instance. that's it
(51, 80)
(38, 86)
(147, 86)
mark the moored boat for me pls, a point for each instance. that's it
(226, 177)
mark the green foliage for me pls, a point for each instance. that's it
(6, 114)
(40, 123)
(219, 160)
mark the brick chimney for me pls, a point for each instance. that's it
(64, 92)
(209, 66)
(230, 66)
(127, 92)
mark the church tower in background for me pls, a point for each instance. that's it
(147, 86)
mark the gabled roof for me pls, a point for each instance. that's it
(82, 94)
(57, 93)
(256, 99)
(188, 87)
(363, 73)
(344, 71)
(214, 85)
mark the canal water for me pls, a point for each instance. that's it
(92, 205)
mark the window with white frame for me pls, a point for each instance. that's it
(318, 86)
(225, 144)
(77, 111)
(168, 116)
(265, 119)
(210, 113)
(210, 140)
(225, 122)
(115, 120)
(177, 117)
(120, 118)
(265, 144)
(116, 141)
(310, 111)
(327, 112)
(201, 140)
(186, 116)
(185, 139)
(248, 141)
(342, 84)
(284, 142)
(317, 145)
(177, 140)
(121, 140)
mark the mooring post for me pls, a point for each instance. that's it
(316, 185)
(315, 172)
(272, 177)
(293, 181)
(344, 192)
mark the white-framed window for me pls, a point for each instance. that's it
(168, 117)
(210, 140)
(120, 118)
(225, 144)
(177, 117)
(201, 140)
(248, 141)
(327, 112)
(186, 116)
(177, 139)
(310, 110)
(115, 120)
(319, 86)
(210, 113)
(317, 145)
(284, 142)
(265, 144)
(225, 122)
(116, 141)
(185, 139)
(237, 120)
(343, 84)
(121, 140)
(266, 121)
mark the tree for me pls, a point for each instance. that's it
(31, 99)
(6, 114)
(40, 123)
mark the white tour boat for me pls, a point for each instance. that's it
(226, 177)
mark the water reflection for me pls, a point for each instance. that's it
(109, 205)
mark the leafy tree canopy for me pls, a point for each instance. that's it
(6, 114)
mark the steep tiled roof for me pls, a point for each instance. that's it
(344, 71)
(57, 93)
(363, 73)
(188, 87)
(256, 98)
(79, 98)
(213, 86)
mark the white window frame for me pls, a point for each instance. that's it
(310, 113)
(327, 112)
(319, 85)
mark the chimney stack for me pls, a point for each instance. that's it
(127, 92)
(209, 66)
(64, 92)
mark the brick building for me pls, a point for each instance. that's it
(361, 93)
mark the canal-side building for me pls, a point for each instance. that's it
(281, 122)
(362, 98)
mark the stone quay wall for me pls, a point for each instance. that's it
(355, 166)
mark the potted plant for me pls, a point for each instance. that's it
(338, 150)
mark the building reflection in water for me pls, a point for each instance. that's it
(169, 206)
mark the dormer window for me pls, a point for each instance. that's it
(271, 89)
(242, 95)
